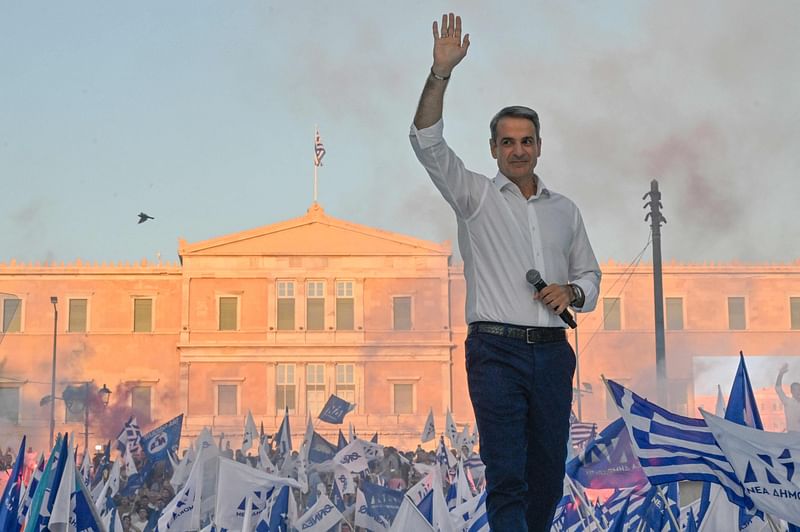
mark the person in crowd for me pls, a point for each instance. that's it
(140, 518)
(791, 405)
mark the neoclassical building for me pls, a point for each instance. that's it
(284, 315)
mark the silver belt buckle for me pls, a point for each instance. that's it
(528, 332)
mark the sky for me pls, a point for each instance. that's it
(202, 115)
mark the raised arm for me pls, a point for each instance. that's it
(779, 381)
(448, 51)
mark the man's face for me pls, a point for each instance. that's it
(516, 147)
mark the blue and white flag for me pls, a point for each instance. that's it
(672, 447)
(742, 407)
(319, 518)
(409, 518)
(284, 435)
(130, 436)
(336, 497)
(608, 461)
(11, 493)
(25, 501)
(429, 430)
(250, 433)
(765, 462)
(335, 410)
(320, 449)
(319, 149)
(471, 516)
(162, 440)
(134, 479)
(382, 503)
(274, 518)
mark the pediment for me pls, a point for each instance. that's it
(316, 233)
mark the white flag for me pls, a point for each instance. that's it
(344, 480)
(764, 462)
(177, 514)
(463, 438)
(64, 505)
(235, 483)
(184, 468)
(429, 431)
(319, 518)
(450, 430)
(719, 410)
(352, 457)
(264, 463)
(250, 433)
(111, 483)
(409, 518)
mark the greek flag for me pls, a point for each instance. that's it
(742, 407)
(672, 447)
(319, 149)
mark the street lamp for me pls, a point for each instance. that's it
(54, 301)
(69, 397)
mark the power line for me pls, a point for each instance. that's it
(632, 267)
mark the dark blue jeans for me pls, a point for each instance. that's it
(522, 395)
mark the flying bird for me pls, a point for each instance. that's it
(144, 217)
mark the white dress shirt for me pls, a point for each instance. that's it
(502, 235)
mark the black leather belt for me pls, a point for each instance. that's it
(532, 335)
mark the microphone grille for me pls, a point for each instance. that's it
(533, 276)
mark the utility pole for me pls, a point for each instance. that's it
(656, 219)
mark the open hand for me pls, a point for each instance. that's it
(448, 47)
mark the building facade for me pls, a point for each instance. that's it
(279, 317)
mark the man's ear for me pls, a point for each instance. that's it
(493, 148)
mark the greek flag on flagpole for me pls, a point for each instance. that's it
(319, 149)
(672, 447)
(742, 407)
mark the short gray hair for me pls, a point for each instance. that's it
(516, 111)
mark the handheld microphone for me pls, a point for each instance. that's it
(535, 278)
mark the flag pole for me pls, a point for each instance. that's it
(316, 165)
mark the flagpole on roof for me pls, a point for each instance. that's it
(316, 160)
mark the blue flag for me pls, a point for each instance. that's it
(275, 519)
(382, 503)
(335, 410)
(11, 493)
(86, 517)
(742, 407)
(341, 442)
(320, 449)
(336, 497)
(608, 461)
(162, 440)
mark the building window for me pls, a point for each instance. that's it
(344, 306)
(345, 382)
(403, 398)
(12, 315)
(140, 404)
(9, 404)
(794, 304)
(142, 314)
(315, 388)
(285, 305)
(401, 310)
(228, 313)
(612, 317)
(77, 315)
(285, 388)
(674, 308)
(736, 316)
(315, 305)
(227, 399)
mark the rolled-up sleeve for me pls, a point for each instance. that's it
(460, 187)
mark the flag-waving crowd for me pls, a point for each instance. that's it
(746, 478)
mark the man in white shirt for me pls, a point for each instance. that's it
(519, 364)
(791, 405)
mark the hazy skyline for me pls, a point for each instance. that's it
(202, 115)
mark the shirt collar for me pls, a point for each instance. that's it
(501, 182)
